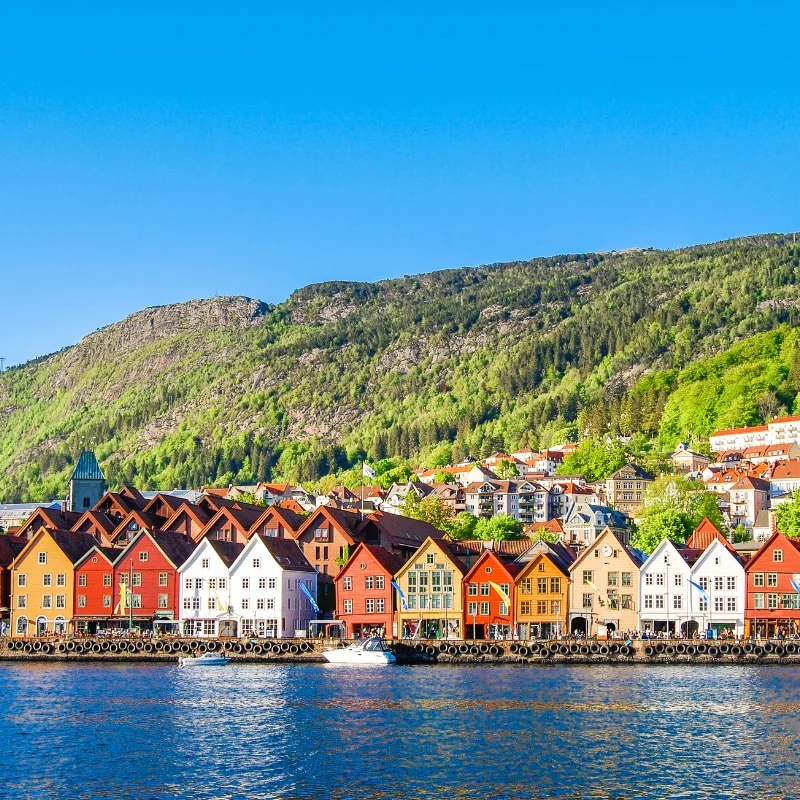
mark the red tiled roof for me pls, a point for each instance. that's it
(730, 431)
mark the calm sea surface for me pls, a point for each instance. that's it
(405, 732)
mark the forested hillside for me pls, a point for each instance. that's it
(671, 344)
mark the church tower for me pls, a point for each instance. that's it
(87, 484)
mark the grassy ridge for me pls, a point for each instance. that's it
(668, 343)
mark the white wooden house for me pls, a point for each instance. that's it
(721, 575)
(664, 590)
(265, 591)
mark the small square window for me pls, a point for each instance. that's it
(144, 555)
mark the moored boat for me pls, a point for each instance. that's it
(371, 651)
(205, 660)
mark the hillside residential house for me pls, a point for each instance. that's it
(772, 605)
(563, 497)
(395, 501)
(786, 476)
(625, 488)
(206, 607)
(779, 430)
(771, 453)
(746, 498)
(586, 521)
(43, 582)
(364, 592)
(688, 461)
(604, 587)
(488, 599)
(265, 588)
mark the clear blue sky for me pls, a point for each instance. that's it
(151, 156)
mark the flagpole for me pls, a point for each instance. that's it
(362, 489)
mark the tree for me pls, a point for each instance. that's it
(499, 528)
(505, 469)
(741, 534)
(444, 477)
(705, 505)
(660, 522)
(594, 459)
(787, 516)
(768, 406)
(545, 536)
(250, 498)
(432, 510)
(462, 526)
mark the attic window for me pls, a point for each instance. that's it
(488, 569)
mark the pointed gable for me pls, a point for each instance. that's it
(704, 534)
(50, 519)
(278, 522)
(232, 524)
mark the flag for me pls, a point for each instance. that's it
(700, 589)
(222, 606)
(120, 606)
(368, 471)
(595, 589)
(503, 596)
(795, 581)
(402, 596)
(307, 593)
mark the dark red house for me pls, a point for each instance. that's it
(364, 594)
(95, 596)
(772, 604)
(149, 565)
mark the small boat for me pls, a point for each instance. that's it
(206, 660)
(365, 651)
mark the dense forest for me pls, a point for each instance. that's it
(665, 344)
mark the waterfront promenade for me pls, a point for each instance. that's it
(636, 651)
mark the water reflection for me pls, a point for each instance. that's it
(136, 731)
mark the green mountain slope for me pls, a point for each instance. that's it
(466, 361)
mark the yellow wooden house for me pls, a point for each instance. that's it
(43, 582)
(542, 596)
(431, 606)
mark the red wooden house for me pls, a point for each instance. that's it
(772, 604)
(487, 612)
(364, 593)
(95, 597)
(148, 566)
(327, 538)
(162, 507)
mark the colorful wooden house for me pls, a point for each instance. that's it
(278, 522)
(43, 582)
(10, 548)
(542, 591)
(232, 524)
(772, 603)
(146, 575)
(431, 581)
(54, 519)
(364, 592)
(604, 587)
(327, 538)
(488, 597)
(94, 589)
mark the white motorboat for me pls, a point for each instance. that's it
(365, 651)
(206, 660)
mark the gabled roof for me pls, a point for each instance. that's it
(290, 504)
(97, 518)
(228, 552)
(87, 468)
(716, 545)
(551, 526)
(291, 521)
(401, 531)
(704, 534)
(175, 547)
(73, 545)
(557, 558)
(747, 482)
(636, 556)
(684, 555)
(786, 470)
(199, 514)
(142, 520)
(123, 502)
(242, 519)
(169, 500)
(287, 553)
(52, 518)
(638, 472)
(347, 522)
(390, 563)
(109, 554)
(10, 548)
(511, 567)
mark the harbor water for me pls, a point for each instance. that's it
(307, 731)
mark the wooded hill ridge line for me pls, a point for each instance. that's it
(660, 345)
